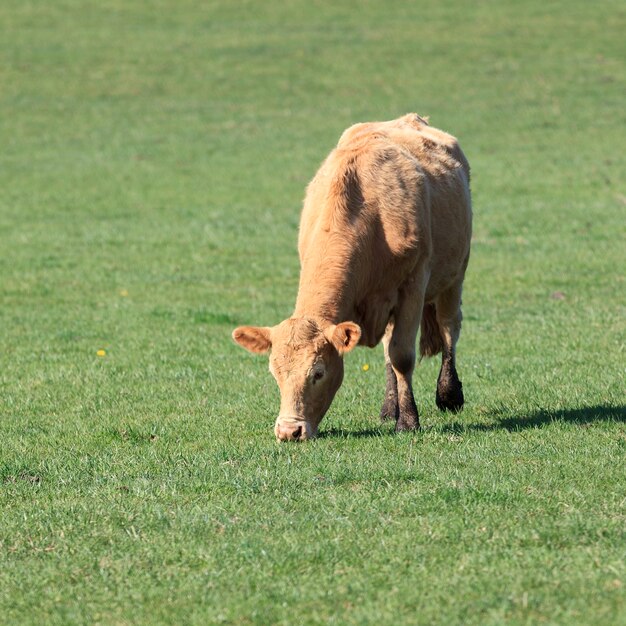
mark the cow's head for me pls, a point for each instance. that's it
(306, 359)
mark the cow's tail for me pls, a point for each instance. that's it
(431, 341)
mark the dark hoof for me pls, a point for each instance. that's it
(450, 399)
(403, 426)
(408, 417)
(389, 411)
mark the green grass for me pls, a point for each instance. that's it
(154, 157)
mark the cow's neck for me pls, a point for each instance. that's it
(326, 292)
(323, 297)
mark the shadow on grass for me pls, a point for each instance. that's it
(582, 417)
(342, 433)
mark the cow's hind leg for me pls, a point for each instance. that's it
(389, 410)
(402, 349)
(449, 388)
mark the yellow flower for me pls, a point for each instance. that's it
(365, 367)
(124, 293)
(101, 352)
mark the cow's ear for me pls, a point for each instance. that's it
(344, 336)
(253, 338)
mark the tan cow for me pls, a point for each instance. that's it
(384, 243)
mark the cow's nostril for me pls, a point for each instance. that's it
(297, 432)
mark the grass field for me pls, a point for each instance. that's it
(154, 158)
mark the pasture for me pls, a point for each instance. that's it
(154, 158)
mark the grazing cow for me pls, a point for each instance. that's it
(384, 243)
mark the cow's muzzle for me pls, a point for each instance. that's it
(293, 429)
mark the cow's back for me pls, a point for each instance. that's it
(443, 194)
(391, 194)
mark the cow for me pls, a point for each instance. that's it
(384, 243)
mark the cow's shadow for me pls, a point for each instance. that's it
(542, 417)
(537, 419)
(343, 433)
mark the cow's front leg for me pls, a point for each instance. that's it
(403, 365)
(389, 410)
(402, 351)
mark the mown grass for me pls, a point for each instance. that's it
(154, 159)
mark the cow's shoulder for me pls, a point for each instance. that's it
(434, 148)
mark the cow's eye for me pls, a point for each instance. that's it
(318, 375)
